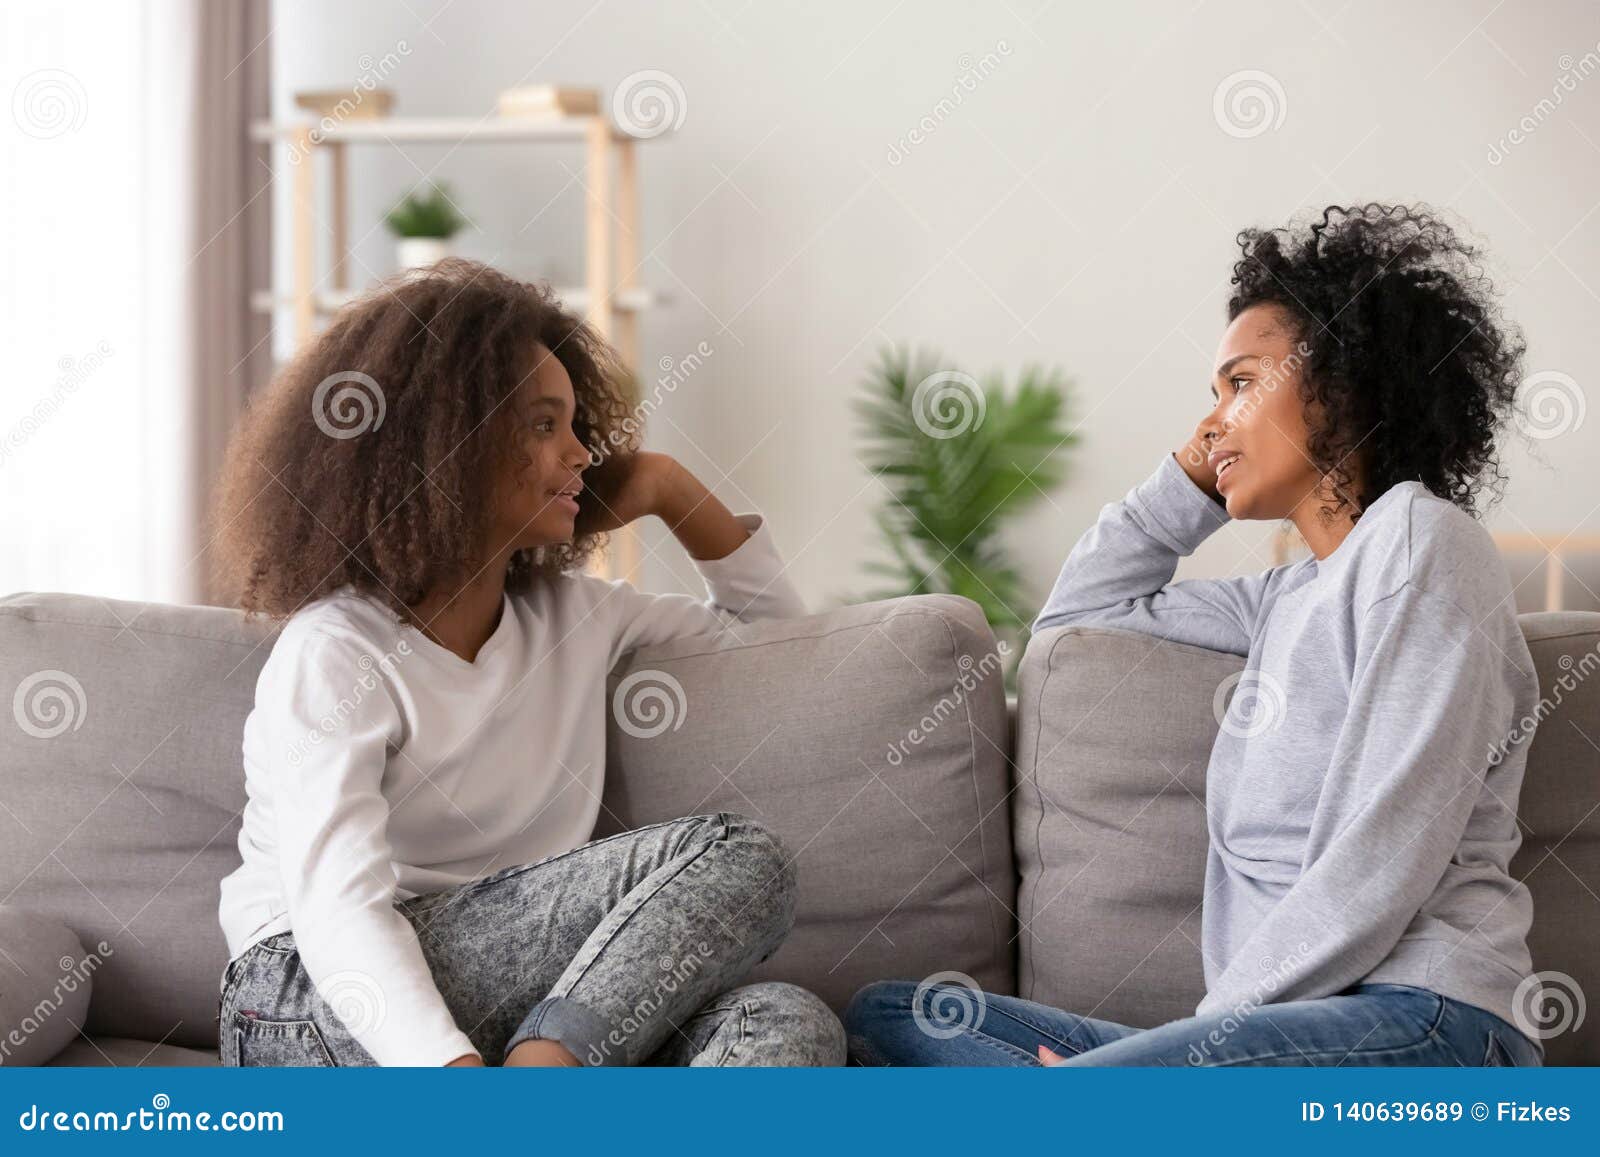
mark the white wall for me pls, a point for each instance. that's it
(1078, 207)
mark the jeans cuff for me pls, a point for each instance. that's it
(583, 1033)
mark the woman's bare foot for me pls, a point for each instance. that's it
(540, 1054)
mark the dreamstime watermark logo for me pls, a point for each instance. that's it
(947, 404)
(648, 703)
(1548, 1004)
(75, 973)
(674, 372)
(357, 998)
(49, 103)
(966, 683)
(49, 703)
(372, 71)
(74, 372)
(973, 72)
(349, 412)
(1572, 72)
(1257, 706)
(366, 683)
(160, 1117)
(675, 973)
(649, 103)
(1565, 683)
(948, 1004)
(1549, 404)
(1248, 103)
(1276, 973)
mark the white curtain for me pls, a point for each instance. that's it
(131, 243)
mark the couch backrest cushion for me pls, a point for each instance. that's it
(1559, 859)
(1114, 733)
(873, 739)
(121, 787)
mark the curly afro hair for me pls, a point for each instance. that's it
(372, 458)
(1405, 353)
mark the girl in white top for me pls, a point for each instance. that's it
(416, 495)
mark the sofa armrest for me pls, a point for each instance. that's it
(44, 986)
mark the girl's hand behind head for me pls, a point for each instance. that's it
(622, 489)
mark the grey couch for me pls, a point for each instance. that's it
(1056, 851)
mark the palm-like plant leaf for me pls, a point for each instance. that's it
(957, 475)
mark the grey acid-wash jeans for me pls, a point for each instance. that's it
(624, 950)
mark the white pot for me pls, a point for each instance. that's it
(414, 252)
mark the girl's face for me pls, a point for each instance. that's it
(1259, 419)
(539, 502)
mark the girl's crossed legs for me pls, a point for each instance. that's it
(623, 950)
(899, 1022)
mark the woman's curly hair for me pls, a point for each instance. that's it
(1404, 349)
(372, 459)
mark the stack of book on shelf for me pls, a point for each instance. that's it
(549, 101)
(350, 104)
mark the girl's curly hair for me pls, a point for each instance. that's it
(1403, 348)
(372, 459)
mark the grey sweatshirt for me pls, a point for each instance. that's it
(1361, 794)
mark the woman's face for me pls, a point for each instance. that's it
(1258, 418)
(539, 502)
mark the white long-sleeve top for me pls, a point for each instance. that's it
(380, 765)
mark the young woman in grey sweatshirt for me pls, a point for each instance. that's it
(1362, 790)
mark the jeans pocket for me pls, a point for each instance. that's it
(1496, 1053)
(259, 1042)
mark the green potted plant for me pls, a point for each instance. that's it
(960, 460)
(424, 222)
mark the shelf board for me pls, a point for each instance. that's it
(577, 300)
(400, 130)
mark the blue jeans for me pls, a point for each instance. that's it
(899, 1022)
